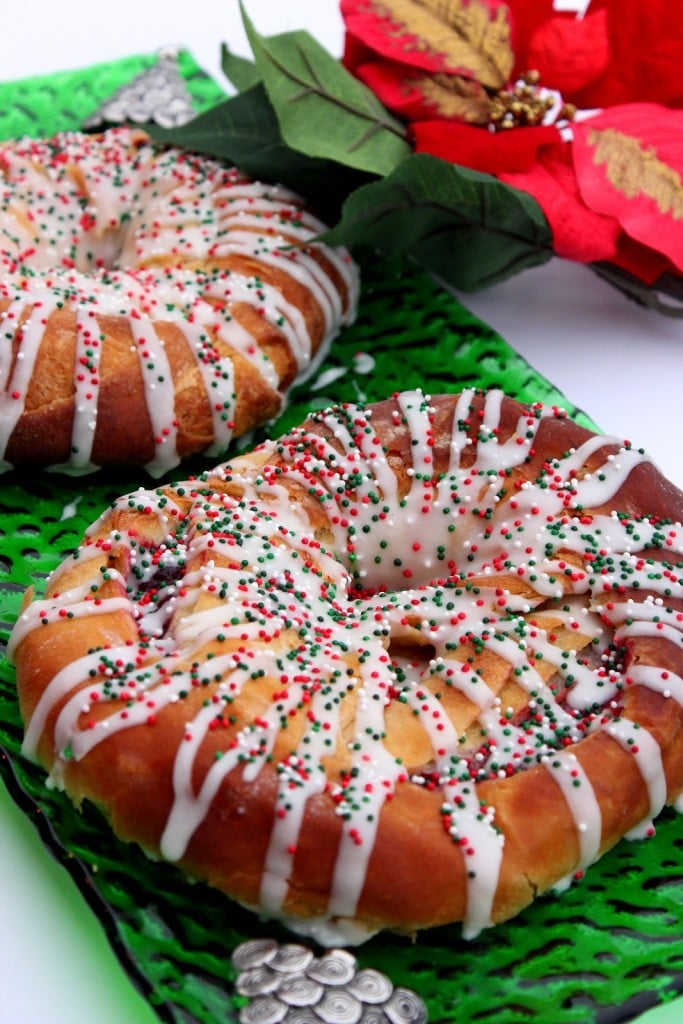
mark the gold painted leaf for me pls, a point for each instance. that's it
(467, 35)
(636, 170)
(455, 97)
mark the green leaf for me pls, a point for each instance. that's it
(241, 71)
(466, 227)
(244, 131)
(238, 130)
(322, 109)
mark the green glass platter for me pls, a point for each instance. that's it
(607, 950)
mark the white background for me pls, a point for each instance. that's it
(620, 363)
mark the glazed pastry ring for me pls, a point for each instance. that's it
(154, 304)
(409, 664)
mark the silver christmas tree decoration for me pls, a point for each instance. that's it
(158, 94)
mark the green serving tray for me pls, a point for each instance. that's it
(605, 951)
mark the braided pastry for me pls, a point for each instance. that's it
(153, 304)
(407, 665)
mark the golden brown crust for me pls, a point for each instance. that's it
(428, 860)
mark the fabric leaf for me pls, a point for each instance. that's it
(244, 131)
(311, 91)
(466, 227)
(241, 71)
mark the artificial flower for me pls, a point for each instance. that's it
(603, 52)
(609, 176)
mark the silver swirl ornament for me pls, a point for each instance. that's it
(291, 958)
(405, 1007)
(254, 953)
(373, 1015)
(287, 984)
(370, 986)
(338, 1006)
(299, 990)
(257, 981)
(334, 968)
(263, 1010)
(301, 1015)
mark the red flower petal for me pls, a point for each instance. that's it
(570, 54)
(526, 16)
(646, 46)
(640, 260)
(436, 41)
(395, 87)
(356, 53)
(629, 165)
(578, 233)
(415, 96)
(372, 26)
(644, 42)
(482, 150)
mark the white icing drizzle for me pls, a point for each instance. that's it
(303, 268)
(646, 753)
(663, 681)
(473, 827)
(189, 808)
(28, 337)
(160, 392)
(86, 381)
(300, 778)
(78, 601)
(76, 208)
(66, 680)
(577, 790)
(217, 373)
(375, 773)
(395, 615)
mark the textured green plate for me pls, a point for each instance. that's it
(604, 952)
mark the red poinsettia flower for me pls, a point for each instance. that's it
(613, 52)
(610, 183)
(615, 192)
